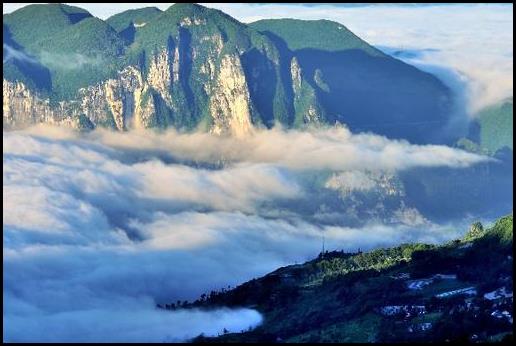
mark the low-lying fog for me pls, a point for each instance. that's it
(99, 227)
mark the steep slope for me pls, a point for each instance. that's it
(23, 30)
(21, 66)
(344, 297)
(491, 131)
(209, 75)
(81, 55)
(76, 48)
(496, 126)
(360, 86)
(192, 67)
(314, 34)
(37, 22)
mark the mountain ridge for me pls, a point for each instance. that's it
(193, 67)
(342, 297)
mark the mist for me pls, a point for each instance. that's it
(100, 227)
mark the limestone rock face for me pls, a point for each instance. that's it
(22, 107)
(295, 71)
(198, 69)
(196, 78)
(187, 21)
(160, 76)
(193, 79)
(128, 101)
(144, 109)
(115, 103)
(230, 104)
(308, 110)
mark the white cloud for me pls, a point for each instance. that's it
(334, 148)
(132, 320)
(72, 61)
(97, 229)
(349, 181)
(12, 53)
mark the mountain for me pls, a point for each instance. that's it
(359, 85)
(23, 30)
(192, 67)
(413, 292)
(495, 126)
(133, 18)
(491, 130)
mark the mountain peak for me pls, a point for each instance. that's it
(181, 10)
(74, 14)
(186, 5)
(187, 9)
(141, 16)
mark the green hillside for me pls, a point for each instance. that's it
(408, 103)
(76, 48)
(496, 126)
(491, 130)
(81, 55)
(298, 73)
(34, 23)
(314, 34)
(338, 296)
(121, 21)
(167, 24)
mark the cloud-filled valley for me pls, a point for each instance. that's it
(103, 227)
(99, 225)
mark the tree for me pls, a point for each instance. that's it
(475, 230)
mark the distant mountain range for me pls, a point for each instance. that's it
(411, 293)
(191, 67)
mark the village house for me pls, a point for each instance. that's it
(420, 283)
(499, 293)
(502, 314)
(391, 310)
(467, 291)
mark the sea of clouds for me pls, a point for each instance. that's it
(99, 227)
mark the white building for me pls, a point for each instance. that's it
(471, 291)
(498, 294)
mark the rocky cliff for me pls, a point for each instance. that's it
(191, 67)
